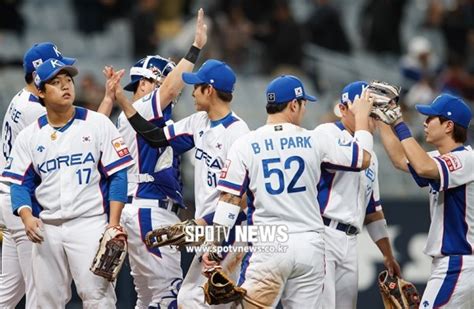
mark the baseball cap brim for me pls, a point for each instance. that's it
(426, 110)
(131, 85)
(68, 61)
(310, 98)
(192, 79)
(69, 69)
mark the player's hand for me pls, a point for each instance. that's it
(33, 229)
(109, 73)
(362, 105)
(200, 37)
(208, 263)
(392, 266)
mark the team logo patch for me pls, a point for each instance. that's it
(120, 147)
(8, 164)
(40, 148)
(344, 143)
(36, 63)
(86, 139)
(278, 127)
(225, 168)
(271, 97)
(219, 146)
(298, 92)
(452, 162)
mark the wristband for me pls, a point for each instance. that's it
(402, 131)
(377, 229)
(364, 139)
(192, 54)
(226, 214)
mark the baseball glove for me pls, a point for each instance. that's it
(386, 98)
(397, 293)
(219, 289)
(173, 235)
(111, 253)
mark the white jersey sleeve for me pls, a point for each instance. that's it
(115, 153)
(234, 174)
(455, 168)
(20, 162)
(374, 203)
(337, 154)
(181, 134)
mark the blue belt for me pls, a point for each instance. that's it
(161, 203)
(346, 228)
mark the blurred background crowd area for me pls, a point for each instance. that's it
(426, 46)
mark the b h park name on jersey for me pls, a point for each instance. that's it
(285, 143)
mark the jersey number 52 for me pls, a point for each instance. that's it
(269, 169)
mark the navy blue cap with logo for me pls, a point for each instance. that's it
(352, 91)
(39, 53)
(152, 67)
(213, 72)
(49, 69)
(449, 107)
(286, 88)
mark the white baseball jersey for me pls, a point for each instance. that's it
(145, 155)
(24, 108)
(66, 168)
(281, 164)
(451, 203)
(212, 141)
(343, 195)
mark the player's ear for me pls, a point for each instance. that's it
(449, 127)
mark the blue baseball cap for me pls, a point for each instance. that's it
(39, 53)
(352, 91)
(213, 72)
(286, 88)
(153, 67)
(50, 68)
(449, 107)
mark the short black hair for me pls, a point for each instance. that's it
(275, 108)
(224, 96)
(459, 133)
(29, 78)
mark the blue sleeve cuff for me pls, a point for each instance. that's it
(118, 186)
(20, 197)
(420, 181)
(209, 218)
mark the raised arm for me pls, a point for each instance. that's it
(421, 162)
(361, 109)
(107, 103)
(393, 147)
(173, 83)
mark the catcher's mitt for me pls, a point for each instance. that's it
(111, 253)
(169, 235)
(386, 98)
(219, 289)
(397, 293)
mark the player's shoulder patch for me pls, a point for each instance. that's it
(225, 168)
(452, 161)
(120, 147)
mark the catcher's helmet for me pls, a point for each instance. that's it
(154, 67)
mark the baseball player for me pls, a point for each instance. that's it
(154, 187)
(448, 171)
(211, 131)
(279, 166)
(347, 201)
(68, 175)
(23, 110)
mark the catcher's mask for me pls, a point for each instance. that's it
(150, 67)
